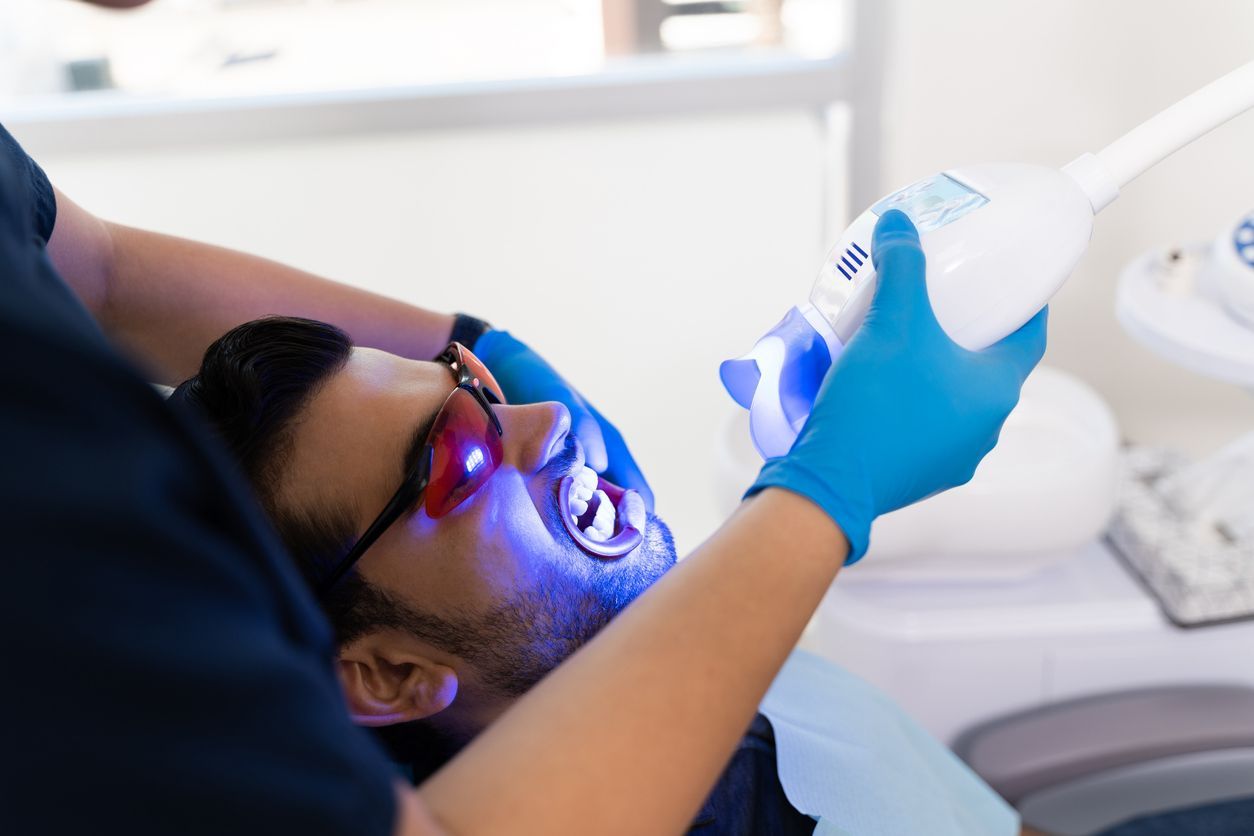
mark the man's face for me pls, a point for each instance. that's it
(500, 578)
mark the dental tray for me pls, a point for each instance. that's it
(1200, 573)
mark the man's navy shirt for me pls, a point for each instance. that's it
(748, 799)
(165, 670)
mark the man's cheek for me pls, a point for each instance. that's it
(506, 540)
(511, 523)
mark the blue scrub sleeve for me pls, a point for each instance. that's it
(165, 669)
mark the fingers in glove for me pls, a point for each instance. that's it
(1024, 348)
(586, 427)
(622, 469)
(901, 274)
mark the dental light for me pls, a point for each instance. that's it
(1000, 240)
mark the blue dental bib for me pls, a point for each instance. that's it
(853, 760)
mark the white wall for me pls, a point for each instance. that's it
(1042, 81)
(638, 255)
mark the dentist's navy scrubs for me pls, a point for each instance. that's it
(164, 671)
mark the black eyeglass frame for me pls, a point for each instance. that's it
(419, 475)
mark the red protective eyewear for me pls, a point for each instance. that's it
(462, 450)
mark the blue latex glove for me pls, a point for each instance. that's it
(905, 412)
(527, 378)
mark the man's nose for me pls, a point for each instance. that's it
(534, 433)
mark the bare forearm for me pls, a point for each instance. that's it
(629, 735)
(165, 299)
(169, 298)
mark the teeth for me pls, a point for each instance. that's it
(604, 519)
(583, 485)
(586, 477)
(583, 488)
(631, 509)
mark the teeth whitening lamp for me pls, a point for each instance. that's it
(1000, 240)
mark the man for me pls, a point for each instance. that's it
(444, 621)
(326, 432)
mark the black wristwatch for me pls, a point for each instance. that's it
(467, 330)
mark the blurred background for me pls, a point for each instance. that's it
(638, 188)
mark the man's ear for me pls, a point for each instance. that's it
(389, 679)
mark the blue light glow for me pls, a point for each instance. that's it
(474, 460)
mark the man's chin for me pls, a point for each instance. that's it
(565, 610)
(621, 582)
(660, 542)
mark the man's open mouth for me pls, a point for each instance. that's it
(603, 519)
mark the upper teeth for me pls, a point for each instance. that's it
(584, 484)
(603, 520)
(582, 489)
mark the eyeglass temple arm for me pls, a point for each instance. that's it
(409, 492)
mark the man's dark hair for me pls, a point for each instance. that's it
(252, 385)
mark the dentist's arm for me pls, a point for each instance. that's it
(631, 732)
(165, 299)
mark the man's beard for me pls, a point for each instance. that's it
(515, 644)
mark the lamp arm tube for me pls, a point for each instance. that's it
(1195, 115)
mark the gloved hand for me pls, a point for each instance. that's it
(527, 378)
(904, 412)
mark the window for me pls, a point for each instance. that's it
(228, 48)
